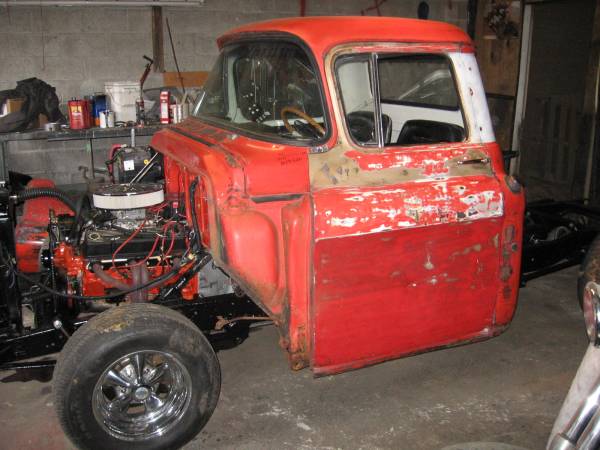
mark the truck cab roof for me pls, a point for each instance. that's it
(323, 33)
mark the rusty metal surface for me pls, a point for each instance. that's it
(358, 254)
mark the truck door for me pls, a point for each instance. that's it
(415, 229)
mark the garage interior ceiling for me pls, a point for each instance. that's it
(103, 2)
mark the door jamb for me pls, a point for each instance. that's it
(523, 81)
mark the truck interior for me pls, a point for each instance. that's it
(416, 96)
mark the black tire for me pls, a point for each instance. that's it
(590, 268)
(136, 329)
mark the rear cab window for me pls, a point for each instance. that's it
(400, 100)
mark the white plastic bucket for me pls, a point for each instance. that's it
(122, 96)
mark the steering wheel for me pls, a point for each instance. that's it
(291, 128)
(362, 126)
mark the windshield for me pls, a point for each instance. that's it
(267, 88)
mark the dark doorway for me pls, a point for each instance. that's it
(555, 132)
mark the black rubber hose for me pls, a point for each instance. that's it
(74, 233)
(193, 187)
(166, 291)
(28, 194)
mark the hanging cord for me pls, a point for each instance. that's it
(175, 57)
(193, 187)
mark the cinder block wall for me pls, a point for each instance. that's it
(78, 49)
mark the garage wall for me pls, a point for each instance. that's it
(77, 49)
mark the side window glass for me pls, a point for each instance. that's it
(419, 99)
(354, 79)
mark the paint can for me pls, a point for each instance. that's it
(107, 119)
(79, 114)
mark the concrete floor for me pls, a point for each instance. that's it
(505, 390)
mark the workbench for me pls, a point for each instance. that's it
(88, 135)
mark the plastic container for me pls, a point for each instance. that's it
(107, 119)
(99, 105)
(122, 96)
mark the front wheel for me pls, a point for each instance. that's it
(136, 376)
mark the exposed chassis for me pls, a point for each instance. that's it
(224, 319)
(215, 316)
(556, 235)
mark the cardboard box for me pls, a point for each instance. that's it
(12, 105)
(39, 122)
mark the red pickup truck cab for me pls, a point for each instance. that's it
(352, 186)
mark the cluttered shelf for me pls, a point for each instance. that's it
(68, 134)
(46, 142)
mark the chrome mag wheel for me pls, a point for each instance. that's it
(136, 377)
(142, 395)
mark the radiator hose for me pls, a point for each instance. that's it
(28, 194)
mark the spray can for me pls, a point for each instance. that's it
(165, 100)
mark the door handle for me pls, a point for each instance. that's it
(483, 160)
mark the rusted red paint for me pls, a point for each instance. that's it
(394, 252)
(419, 264)
(431, 160)
(382, 295)
(437, 47)
(352, 211)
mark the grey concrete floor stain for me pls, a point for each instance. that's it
(506, 391)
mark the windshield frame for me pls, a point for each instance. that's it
(275, 37)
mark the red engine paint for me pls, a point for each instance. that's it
(31, 231)
(75, 266)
